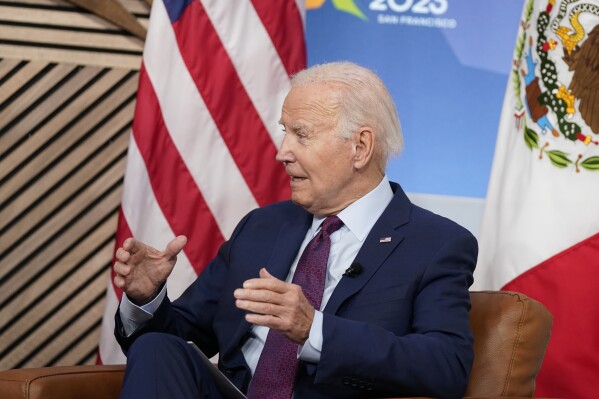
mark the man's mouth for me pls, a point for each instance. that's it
(296, 179)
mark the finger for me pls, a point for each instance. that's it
(263, 308)
(131, 245)
(121, 269)
(122, 255)
(286, 327)
(119, 281)
(264, 320)
(175, 246)
(268, 282)
(267, 296)
(265, 274)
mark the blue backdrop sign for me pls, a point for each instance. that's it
(446, 63)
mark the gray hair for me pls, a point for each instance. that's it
(364, 101)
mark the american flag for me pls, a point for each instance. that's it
(205, 132)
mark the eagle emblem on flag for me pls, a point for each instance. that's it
(556, 82)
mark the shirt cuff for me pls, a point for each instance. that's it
(133, 316)
(310, 351)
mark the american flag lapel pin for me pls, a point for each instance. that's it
(385, 239)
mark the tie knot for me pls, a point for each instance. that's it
(331, 224)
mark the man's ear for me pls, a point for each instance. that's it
(364, 141)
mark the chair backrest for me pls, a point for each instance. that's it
(511, 333)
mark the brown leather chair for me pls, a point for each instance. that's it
(511, 332)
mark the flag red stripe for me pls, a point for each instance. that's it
(229, 105)
(567, 285)
(122, 233)
(174, 187)
(283, 22)
(249, 138)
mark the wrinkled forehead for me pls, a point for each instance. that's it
(311, 102)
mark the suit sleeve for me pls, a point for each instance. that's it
(434, 358)
(191, 316)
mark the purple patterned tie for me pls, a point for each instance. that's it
(278, 364)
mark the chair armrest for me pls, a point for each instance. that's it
(70, 382)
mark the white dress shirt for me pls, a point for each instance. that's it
(358, 219)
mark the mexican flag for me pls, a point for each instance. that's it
(540, 230)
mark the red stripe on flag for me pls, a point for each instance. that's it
(567, 285)
(122, 233)
(238, 122)
(229, 105)
(283, 22)
(174, 187)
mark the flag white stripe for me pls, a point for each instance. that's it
(147, 221)
(196, 137)
(243, 36)
(110, 351)
(192, 128)
(148, 224)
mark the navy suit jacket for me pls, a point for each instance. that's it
(399, 328)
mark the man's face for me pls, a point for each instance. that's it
(319, 162)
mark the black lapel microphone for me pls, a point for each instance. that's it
(354, 270)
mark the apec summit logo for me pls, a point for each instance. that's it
(419, 13)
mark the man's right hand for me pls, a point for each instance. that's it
(141, 270)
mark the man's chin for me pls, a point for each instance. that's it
(299, 200)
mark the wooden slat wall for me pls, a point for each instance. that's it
(67, 93)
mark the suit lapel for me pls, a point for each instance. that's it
(285, 248)
(373, 253)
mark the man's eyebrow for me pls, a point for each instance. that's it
(294, 127)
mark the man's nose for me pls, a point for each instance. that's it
(284, 154)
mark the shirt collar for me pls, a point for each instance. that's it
(360, 216)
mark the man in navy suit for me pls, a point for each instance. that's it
(394, 314)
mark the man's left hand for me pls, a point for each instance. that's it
(276, 304)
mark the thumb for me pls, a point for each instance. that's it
(265, 274)
(175, 246)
